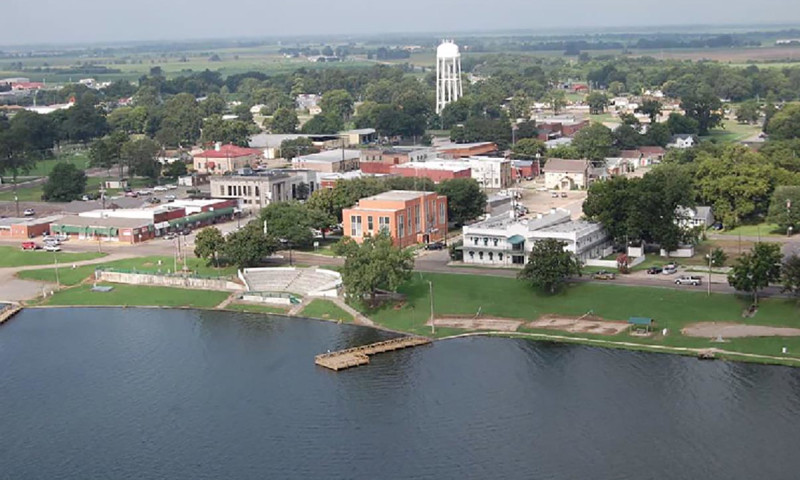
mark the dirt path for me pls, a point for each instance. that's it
(498, 324)
(14, 289)
(734, 330)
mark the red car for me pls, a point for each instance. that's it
(29, 246)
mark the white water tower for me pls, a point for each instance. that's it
(448, 74)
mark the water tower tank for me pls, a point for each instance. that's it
(448, 74)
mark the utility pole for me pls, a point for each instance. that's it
(433, 326)
(709, 276)
(55, 260)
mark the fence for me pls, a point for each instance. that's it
(277, 298)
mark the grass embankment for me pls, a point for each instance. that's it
(251, 308)
(761, 229)
(326, 310)
(73, 276)
(137, 295)
(16, 257)
(670, 308)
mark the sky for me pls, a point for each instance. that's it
(91, 21)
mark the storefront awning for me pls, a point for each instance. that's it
(516, 239)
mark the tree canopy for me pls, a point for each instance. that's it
(756, 269)
(65, 183)
(550, 265)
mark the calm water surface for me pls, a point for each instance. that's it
(158, 394)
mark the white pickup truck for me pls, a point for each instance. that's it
(688, 280)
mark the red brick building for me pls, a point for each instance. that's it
(436, 171)
(24, 228)
(408, 217)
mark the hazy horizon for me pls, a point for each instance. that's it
(57, 22)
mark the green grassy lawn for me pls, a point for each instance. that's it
(509, 298)
(16, 257)
(762, 229)
(137, 295)
(733, 131)
(327, 310)
(34, 193)
(324, 247)
(249, 307)
(74, 276)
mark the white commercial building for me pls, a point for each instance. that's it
(491, 172)
(502, 240)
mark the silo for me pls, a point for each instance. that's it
(448, 74)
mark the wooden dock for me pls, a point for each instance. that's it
(8, 312)
(354, 357)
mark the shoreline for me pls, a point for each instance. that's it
(721, 354)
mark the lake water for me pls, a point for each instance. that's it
(168, 394)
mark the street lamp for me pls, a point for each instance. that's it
(55, 260)
(16, 200)
(709, 275)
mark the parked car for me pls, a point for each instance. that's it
(61, 237)
(51, 241)
(29, 212)
(154, 200)
(563, 194)
(29, 246)
(144, 192)
(186, 231)
(170, 236)
(169, 198)
(50, 247)
(554, 194)
(688, 280)
(669, 269)
(434, 246)
(654, 270)
(171, 187)
(160, 188)
(131, 194)
(603, 275)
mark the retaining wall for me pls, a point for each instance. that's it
(168, 281)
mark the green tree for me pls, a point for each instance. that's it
(785, 123)
(681, 124)
(142, 157)
(284, 120)
(248, 246)
(658, 134)
(208, 244)
(65, 183)
(528, 149)
(323, 124)
(550, 265)
(597, 101)
(338, 103)
(290, 222)
(626, 137)
(651, 108)
(107, 151)
(784, 208)
(465, 199)
(24, 139)
(292, 148)
(790, 275)
(83, 121)
(718, 257)
(175, 169)
(374, 265)
(182, 121)
(748, 112)
(214, 104)
(736, 183)
(594, 142)
(755, 270)
(704, 107)
(557, 100)
(215, 129)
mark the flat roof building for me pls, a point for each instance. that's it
(503, 240)
(329, 161)
(26, 227)
(434, 170)
(408, 217)
(258, 190)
